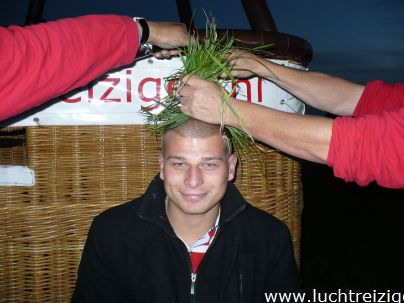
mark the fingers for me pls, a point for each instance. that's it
(199, 98)
(186, 110)
(192, 80)
(185, 92)
(178, 87)
(167, 53)
(163, 54)
(187, 77)
(191, 88)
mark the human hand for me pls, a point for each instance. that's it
(201, 99)
(169, 36)
(244, 64)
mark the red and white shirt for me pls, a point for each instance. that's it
(198, 249)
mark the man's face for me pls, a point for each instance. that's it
(195, 172)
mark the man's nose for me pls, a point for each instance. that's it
(194, 177)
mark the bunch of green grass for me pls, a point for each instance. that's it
(208, 59)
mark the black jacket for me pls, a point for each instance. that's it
(133, 255)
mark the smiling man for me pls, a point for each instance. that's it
(190, 237)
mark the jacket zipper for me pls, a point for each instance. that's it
(194, 275)
(193, 280)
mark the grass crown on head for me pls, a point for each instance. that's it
(208, 59)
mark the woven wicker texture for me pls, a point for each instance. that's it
(80, 171)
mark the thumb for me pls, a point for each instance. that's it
(184, 109)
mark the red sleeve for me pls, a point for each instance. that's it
(43, 61)
(369, 148)
(379, 96)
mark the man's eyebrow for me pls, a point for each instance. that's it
(176, 158)
(204, 158)
(213, 158)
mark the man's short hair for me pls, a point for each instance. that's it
(194, 128)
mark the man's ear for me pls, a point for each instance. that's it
(161, 162)
(232, 167)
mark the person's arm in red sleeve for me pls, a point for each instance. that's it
(379, 96)
(369, 148)
(43, 61)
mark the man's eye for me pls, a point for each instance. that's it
(209, 165)
(179, 164)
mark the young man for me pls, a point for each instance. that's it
(190, 237)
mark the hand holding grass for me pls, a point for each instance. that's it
(245, 64)
(202, 100)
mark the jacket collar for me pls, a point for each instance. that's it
(153, 207)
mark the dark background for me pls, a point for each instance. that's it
(352, 235)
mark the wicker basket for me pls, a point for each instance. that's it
(83, 170)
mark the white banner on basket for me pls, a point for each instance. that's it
(118, 97)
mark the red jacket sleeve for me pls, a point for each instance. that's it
(379, 96)
(43, 61)
(370, 147)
